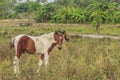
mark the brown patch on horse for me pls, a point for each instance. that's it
(51, 47)
(25, 44)
(42, 57)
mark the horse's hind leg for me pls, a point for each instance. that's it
(16, 66)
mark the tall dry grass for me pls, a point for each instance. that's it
(80, 59)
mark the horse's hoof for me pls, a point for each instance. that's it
(17, 76)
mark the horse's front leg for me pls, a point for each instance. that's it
(44, 57)
(40, 62)
(46, 60)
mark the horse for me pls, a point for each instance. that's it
(36, 44)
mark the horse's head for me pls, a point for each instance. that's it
(59, 37)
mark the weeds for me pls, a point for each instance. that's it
(80, 59)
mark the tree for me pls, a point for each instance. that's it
(6, 7)
(27, 8)
(101, 12)
(45, 13)
(41, 1)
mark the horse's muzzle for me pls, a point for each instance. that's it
(59, 47)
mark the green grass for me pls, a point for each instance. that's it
(38, 29)
(80, 58)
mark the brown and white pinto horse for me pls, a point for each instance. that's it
(42, 44)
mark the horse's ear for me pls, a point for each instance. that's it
(65, 36)
(64, 32)
(55, 32)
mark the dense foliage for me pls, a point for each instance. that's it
(64, 11)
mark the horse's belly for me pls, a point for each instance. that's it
(39, 50)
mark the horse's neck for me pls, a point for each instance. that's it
(48, 36)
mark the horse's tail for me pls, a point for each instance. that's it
(12, 43)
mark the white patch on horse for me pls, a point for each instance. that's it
(42, 43)
(60, 37)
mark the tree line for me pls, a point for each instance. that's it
(63, 11)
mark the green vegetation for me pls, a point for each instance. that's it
(95, 12)
(64, 11)
(40, 28)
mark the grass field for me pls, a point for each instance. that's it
(80, 58)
